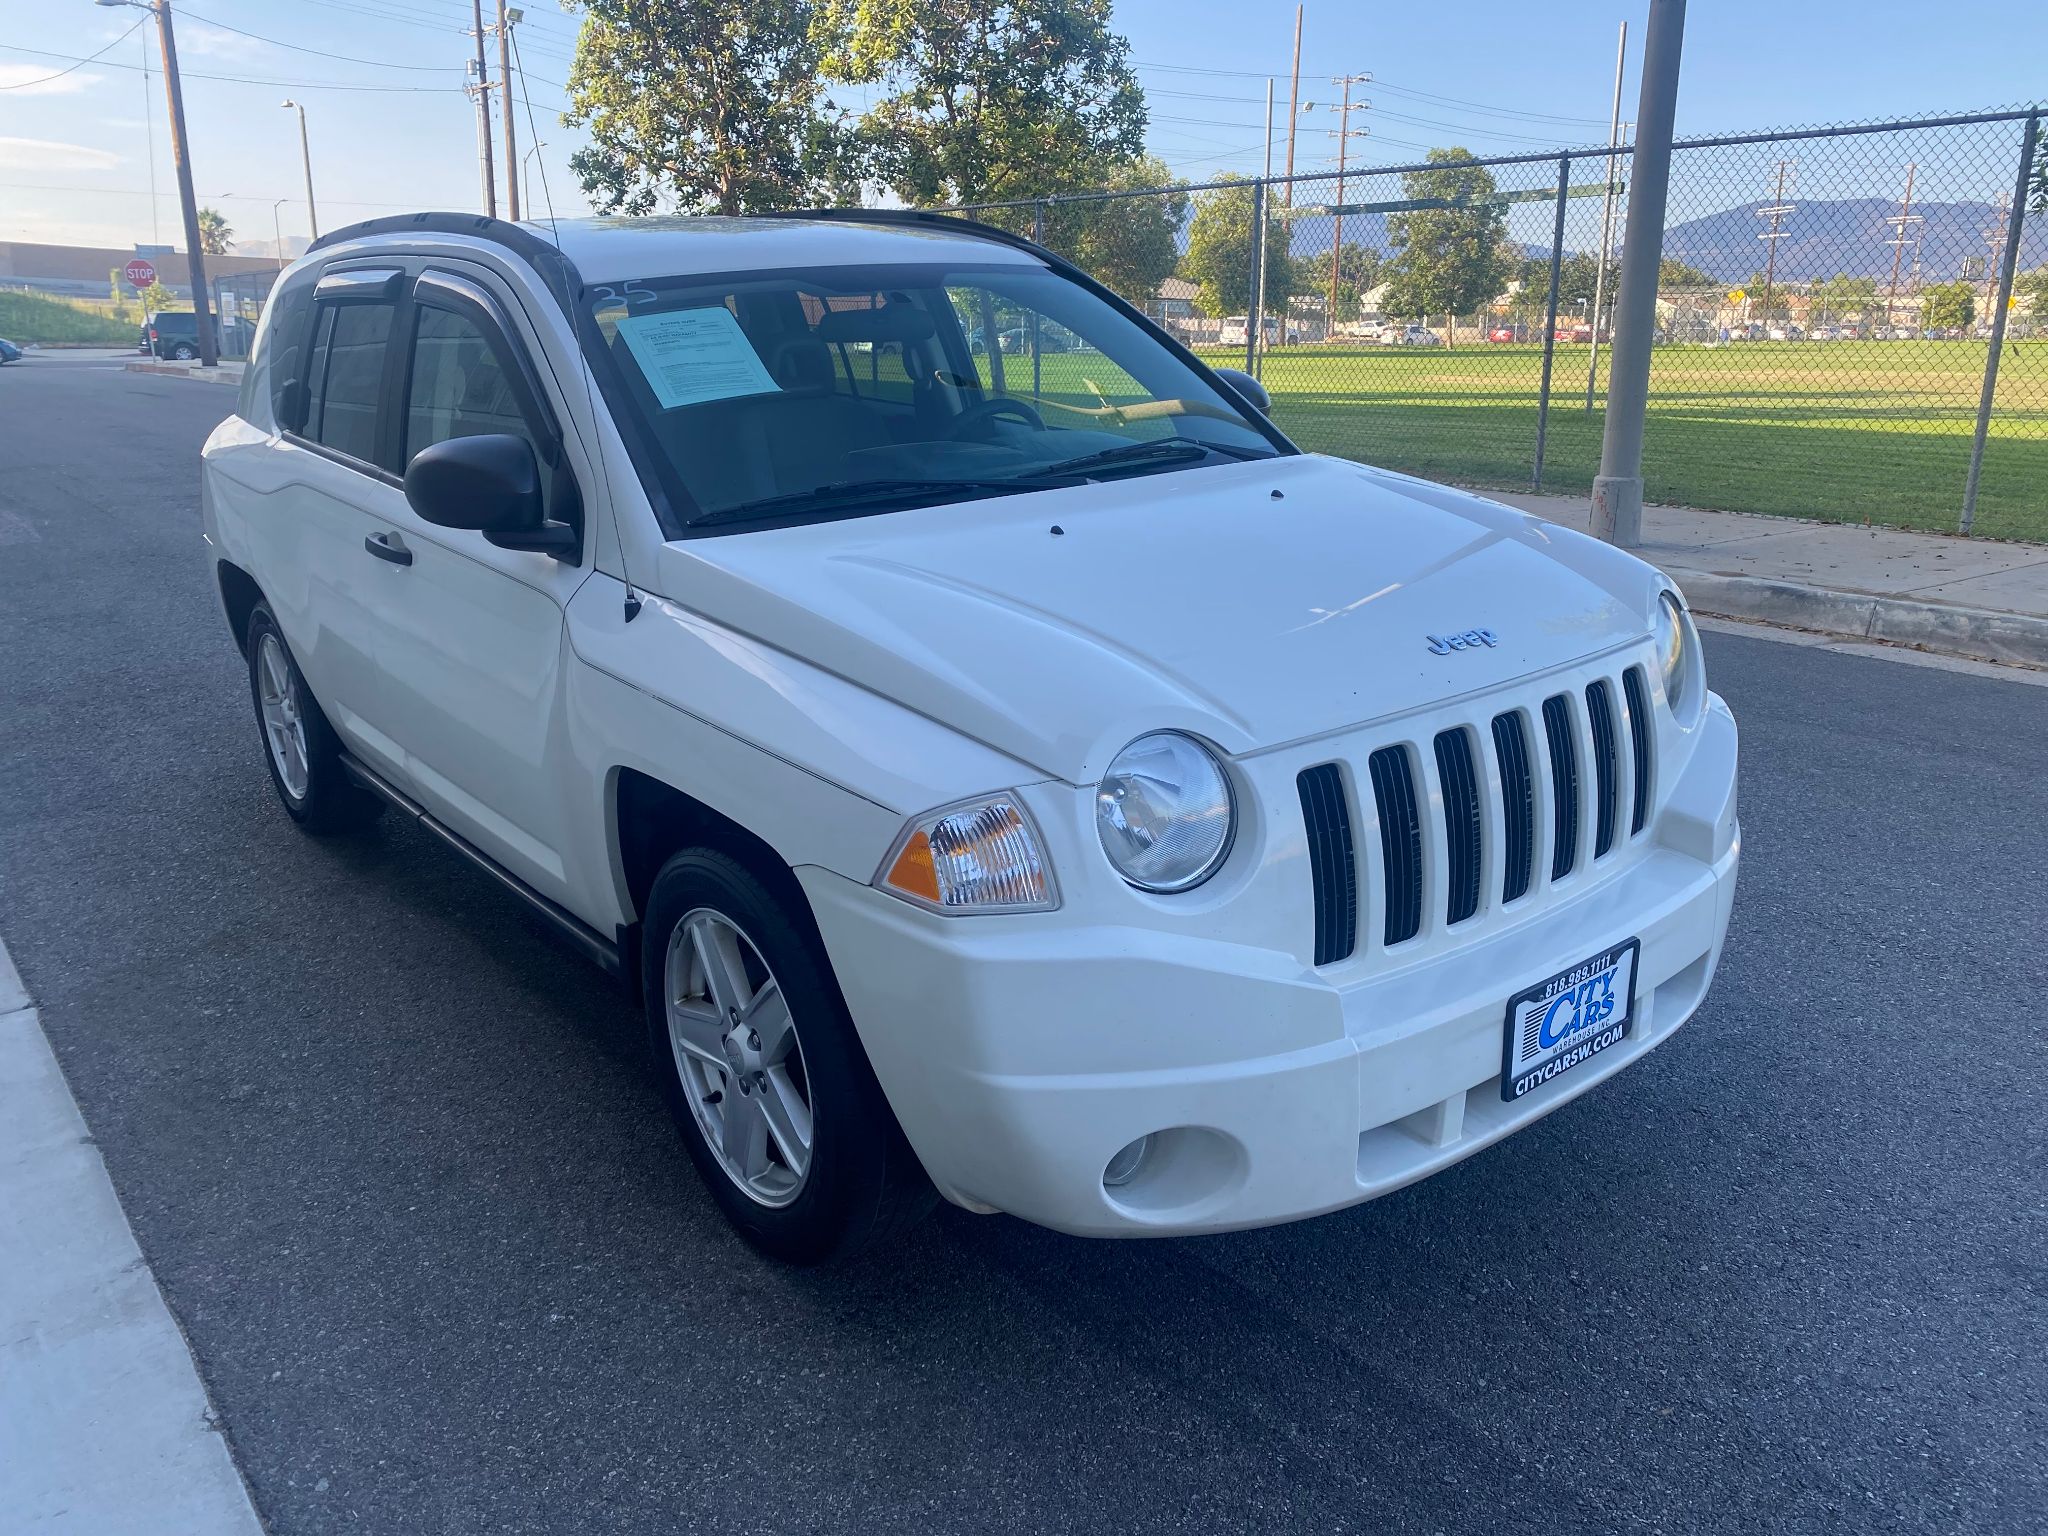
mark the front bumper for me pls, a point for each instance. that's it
(1021, 1054)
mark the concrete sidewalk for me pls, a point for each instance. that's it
(1960, 597)
(105, 1429)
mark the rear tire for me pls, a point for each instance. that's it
(763, 1070)
(299, 746)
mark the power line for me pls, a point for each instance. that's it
(22, 85)
(339, 58)
(297, 85)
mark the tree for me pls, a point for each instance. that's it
(1947, 306)
(984, 100)
(712, 107)
(1219, 257)
(1673, 273)
(215, 232)
(1358, 273)
(1449, 257)
(1846, 295)
(2031, 289)
(1129, 244)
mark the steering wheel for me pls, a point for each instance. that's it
(1001, 405)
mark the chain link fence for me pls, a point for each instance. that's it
(1825, 315)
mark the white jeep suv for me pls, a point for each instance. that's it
(1017, 773)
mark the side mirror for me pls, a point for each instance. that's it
(1247, 386)
(491, 484)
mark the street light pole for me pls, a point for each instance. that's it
(277, 230)
(306, 155)
(202, 301)
(1618, 489)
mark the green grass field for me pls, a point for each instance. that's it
(1851, 431)
(39, 318)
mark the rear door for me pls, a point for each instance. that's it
(328, 557)
(472, 636)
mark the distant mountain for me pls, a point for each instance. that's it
(294, 245)
(1847, 235)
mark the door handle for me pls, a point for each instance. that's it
(388, 546)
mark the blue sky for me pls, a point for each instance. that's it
(77, 153)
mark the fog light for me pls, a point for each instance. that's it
(1124, 1166)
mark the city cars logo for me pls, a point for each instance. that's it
(1573, 1011)
(1443, 645)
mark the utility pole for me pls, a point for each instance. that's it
(306, 155)
(483, 112)
(1606, 217)
(505, 22)
(1293, 105)
(1899, 222)
(1995, 237)
(1268, 179)
(1776, 214)
(1618, 489)
(174, 94)
(1343, 143)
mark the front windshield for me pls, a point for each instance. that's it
(839, 392)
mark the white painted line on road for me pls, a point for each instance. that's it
(105, 1429)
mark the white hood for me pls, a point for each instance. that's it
(1252, 604)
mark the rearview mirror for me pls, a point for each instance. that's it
(1247, 386)
(491, 484)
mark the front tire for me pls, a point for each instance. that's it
(184, 352)
(300, 747)
(763, 1071)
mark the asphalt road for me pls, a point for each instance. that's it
(446, 1268)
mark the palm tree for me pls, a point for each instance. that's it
(214, 232)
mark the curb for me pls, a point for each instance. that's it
(215, 375)
(2015, 639)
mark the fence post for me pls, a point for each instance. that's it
(1255, 322)
(1037, 361)
(2008, 263)
(1564, 180)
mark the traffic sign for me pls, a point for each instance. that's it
(140, 272)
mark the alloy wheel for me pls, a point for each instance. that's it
(284, 725)
(737, 1053)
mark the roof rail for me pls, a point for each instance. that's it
(542, 254)
(923, 218)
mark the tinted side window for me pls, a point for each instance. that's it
(459, 385)
(348, 377)
(282, 348)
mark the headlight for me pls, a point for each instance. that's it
(1674, 642)
(979, 856)
(1164, 812)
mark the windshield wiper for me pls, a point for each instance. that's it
(860, 493)
(1161, 450)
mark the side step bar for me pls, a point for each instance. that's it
(580, 936)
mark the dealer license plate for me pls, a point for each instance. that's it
(1566, 1021)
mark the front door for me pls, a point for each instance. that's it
(473, 644)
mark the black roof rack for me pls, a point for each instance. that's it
(923, 218)
(542, 254)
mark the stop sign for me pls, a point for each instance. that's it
(141, 272)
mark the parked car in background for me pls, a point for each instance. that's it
(9, 352)
(1235, 331)
(1504, 333)
(1410, 336)
(172, 334)
(952, 780)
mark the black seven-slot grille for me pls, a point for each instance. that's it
(1333, 864)
(1575, 763)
